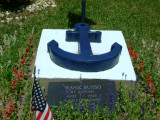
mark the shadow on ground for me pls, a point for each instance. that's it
(14, 5)
(74, 18)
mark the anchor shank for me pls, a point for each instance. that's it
(84, 44)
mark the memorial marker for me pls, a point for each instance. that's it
(96, 92)
(66, 60)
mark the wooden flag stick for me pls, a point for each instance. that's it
(32, 90)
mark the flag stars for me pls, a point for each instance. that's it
(39, 103)
(38, 97)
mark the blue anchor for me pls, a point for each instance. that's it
(85, 61)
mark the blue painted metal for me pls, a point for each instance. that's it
(84, 61)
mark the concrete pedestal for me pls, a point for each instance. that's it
(47, 71)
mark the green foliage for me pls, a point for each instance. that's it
(139, 22)
(82, 112)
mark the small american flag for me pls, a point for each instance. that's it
(39, 104)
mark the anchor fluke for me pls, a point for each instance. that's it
(78, 62)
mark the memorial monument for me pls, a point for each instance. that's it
(83, 64)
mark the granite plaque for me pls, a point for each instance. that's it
(97, 92)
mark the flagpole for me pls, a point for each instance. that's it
(32, 90)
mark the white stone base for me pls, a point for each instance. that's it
(49, 71)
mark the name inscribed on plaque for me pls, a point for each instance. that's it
(96, 92)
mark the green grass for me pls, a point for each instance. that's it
(138, 20)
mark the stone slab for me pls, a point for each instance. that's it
(47, 69)
(49, 73)
(96, 92)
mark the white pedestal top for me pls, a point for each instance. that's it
(48, 69)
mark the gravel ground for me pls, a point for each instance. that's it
(36, 6)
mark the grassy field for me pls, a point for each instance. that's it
(139, 21)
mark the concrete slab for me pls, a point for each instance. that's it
(49, 70)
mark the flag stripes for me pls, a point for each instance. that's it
(39, 104)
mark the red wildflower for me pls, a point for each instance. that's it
(6, 112)
(131, 52)
(31, 40)
(17, 80)
(140, 64)
(147, 75)
(13, 84)
(128, 47)
(12, 108)
(152, 86)
(20, 75)
(27, 49)
(3, 42)
(148, 80)
(3, 48)
(154, 91)
(28, 44)
(23, 60)
(135, 56)
(26, 53)
(10, 100)
(14, 70)
(140, 68)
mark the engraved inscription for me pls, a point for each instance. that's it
(78, 92)
(96, 92)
